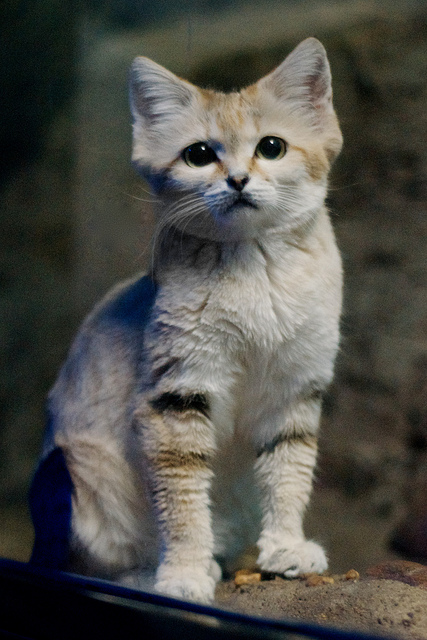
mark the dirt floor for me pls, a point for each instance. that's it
(390, 599)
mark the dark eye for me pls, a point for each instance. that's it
(271, 148)
(199, 154)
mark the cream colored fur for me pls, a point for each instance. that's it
(196, 435)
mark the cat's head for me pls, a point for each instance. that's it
(227, 166)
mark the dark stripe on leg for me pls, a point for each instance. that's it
(269, 447)
(176, 402)
(161, 370)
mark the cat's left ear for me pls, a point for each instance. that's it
(304, 77)
(303, 81)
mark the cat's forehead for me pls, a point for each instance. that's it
(230, 116)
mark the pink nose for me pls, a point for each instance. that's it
(238, 182)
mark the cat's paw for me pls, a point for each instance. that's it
(186, 584)
(215, 571)
(293, 557)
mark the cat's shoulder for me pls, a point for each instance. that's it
(127, 305)
(110, 335)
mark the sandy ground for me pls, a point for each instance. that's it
(382, 606)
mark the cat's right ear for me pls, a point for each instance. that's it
(158, 99)
(156, 94)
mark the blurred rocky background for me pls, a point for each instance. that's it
(74, 219)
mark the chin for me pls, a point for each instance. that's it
(243, 223)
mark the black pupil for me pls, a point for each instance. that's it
(271, 147)
(199, 154)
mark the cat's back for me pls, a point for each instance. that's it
(97, 380)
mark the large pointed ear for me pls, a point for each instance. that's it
(303, 80)
(157, 99)
(155, 92)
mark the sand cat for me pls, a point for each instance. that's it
(183, 425)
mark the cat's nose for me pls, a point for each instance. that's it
(238, 182)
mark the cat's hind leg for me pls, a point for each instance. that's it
(285, 468)
(112, 524)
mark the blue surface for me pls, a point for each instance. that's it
(50, 506)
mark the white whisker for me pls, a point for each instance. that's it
(153, 200)
(174, 216)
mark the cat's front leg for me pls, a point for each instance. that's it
(284, 468)
(178, 444)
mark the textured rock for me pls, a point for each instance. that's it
(411, 573)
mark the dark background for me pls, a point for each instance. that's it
(74, 220)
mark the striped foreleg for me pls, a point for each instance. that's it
(285, 468)
(177, 442)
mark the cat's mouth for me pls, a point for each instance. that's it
(240, 201)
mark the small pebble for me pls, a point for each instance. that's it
(246, 577)
(314, 580)
(352, 574)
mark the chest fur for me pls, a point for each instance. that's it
(269, 308)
